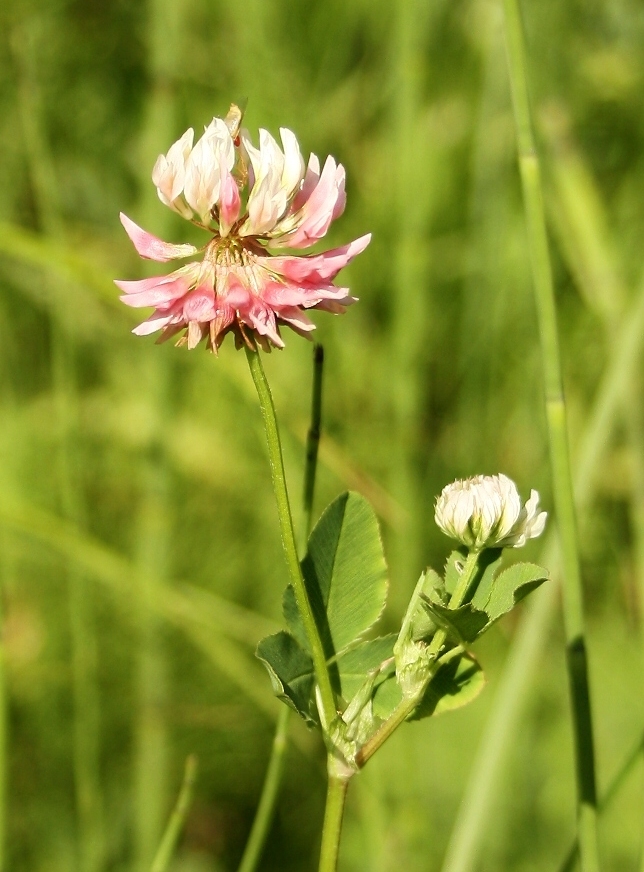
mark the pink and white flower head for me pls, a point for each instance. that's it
(486, 512)
(253, 201)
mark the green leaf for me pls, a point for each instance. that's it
(422, 625)
(461, 625)
(345, 574)
(511, 586)
(387, 697)
(434, 586)
(291, 673)
(494, 597)
(456, 684)
(488, 564)
(358, 662)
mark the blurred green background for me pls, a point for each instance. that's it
(140, 558)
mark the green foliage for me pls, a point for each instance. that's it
(508, 588)
(456, 684)
(355, 664)
(345, 574)
(291, 672)
(346, 578)
(452, 573)
(464, 624)
(497, 594)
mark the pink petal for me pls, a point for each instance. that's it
(229, 201)
(341, 202)
(151, 247)
(262, 319)
(308, 185)
(236, 294)
(155, 322)
(277, 294)
(158, 290)
(199, 305)
(336, 307)
(296, 318)
(316, 267)
(318, 211)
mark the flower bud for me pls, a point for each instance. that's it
(485, 512)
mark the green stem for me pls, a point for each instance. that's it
(177, 818)
(406, 379)
(605, 801)
(557, 435)
(270, 790)
(334, 811)
(264, 814)
(313, 442)
(323, 679)
(407, 705)
(456, 599)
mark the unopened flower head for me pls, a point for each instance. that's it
(253, 202)
(486, 512)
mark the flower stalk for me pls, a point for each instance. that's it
(272, 781)
(326, 695)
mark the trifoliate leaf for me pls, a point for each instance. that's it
(509, 588)
(461, 625)
(345, 574)
(456, 684)
(488, 565)
(355, 665)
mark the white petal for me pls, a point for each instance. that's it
(293, 172)
(202, 183)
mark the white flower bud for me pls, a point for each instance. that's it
(485, 512)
